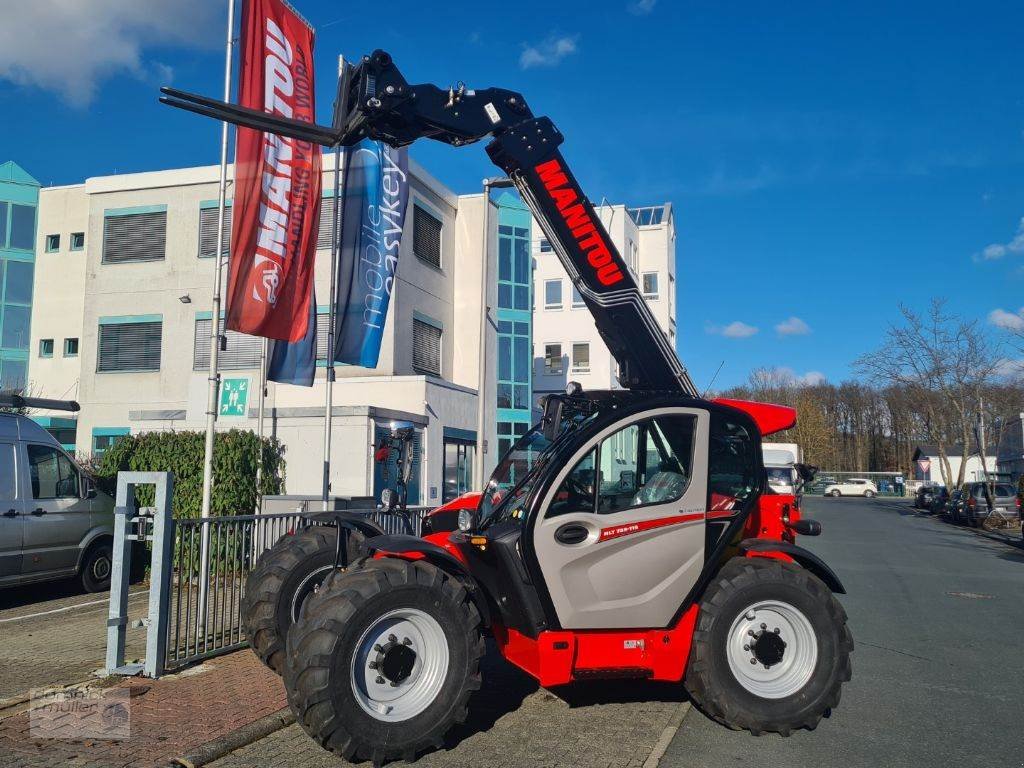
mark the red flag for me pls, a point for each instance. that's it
(277, 179)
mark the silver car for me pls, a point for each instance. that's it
(54, 523)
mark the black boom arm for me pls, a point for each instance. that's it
(374, 101)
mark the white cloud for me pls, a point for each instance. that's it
(70, 46)
(810, 378)
(1008, 321)
(999, 250)
(794, 326)
(547, 53)
(641, 7)
(1010, 369)
(734, 330)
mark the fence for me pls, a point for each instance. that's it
(204, 616)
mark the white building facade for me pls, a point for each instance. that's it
(567, 346)
(121, 323)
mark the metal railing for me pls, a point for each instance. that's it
(235, 544)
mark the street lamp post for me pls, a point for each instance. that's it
(485, 282)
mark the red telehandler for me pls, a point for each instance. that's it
(631, 533)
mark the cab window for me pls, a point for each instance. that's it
(733, 473)
(649, 462)
(52, 473)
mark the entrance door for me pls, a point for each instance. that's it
(57, 517)
(11, 524)
(621, 538)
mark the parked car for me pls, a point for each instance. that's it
(925, 495)
(983, 499)
(952, 508)
(54, 523)
(852, 486)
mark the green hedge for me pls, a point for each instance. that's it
(234, 468)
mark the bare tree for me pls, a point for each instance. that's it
(943, 361)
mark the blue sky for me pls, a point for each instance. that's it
(826, 161)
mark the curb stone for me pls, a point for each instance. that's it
(661, 746)
(247, 734)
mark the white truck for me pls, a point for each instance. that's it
(779, 459)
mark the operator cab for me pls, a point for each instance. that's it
(652, 484)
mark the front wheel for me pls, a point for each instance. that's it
(868, 494)
(383, 659)
(771, 649)
(97, 565)
(835, 493)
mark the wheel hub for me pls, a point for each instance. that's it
(772, 649)
(394, 660)
(768, 647)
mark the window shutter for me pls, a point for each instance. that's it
(208, 232)
(243, 350)
(129, 347)
(323, 235)
(426, 348)
(136, 237)
(426, 237)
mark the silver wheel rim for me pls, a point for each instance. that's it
(745, 645)
(101, 568)
(303, 593)
(394, 700)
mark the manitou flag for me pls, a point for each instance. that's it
(376, 190)
(277, 180)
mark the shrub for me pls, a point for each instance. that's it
(234, 468)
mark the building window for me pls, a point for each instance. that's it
(514, 267)
(77, 241)
(426, 347)
(581, 357)
(129, 345)
(71, 347)
(18, 282)
(650, 285)
(426, 237)
(46, 347)
(577, 298)
(23, 227)
(15, 327)
(552, 294)
(545, 245)
(208, 232)
(52, 243)
(514, 360)
(323, 234)
(508, 433)
(458, 468)
(103, 438)
(4, 208)
(13, 374)
(553, 360)
(242, 350)
(134, 237)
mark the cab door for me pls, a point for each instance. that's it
(57, 517)
(620, 538)
(10, 512)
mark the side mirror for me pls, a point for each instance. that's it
(552, 417)
(388, 499)
(88, 487)
(806, 472)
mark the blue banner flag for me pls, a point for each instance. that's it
(375, 193)
(295, 362)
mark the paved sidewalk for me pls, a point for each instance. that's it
(168, 717)
(53, 634)
(513, 724)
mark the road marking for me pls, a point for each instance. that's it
(661, 746)
(69, 608)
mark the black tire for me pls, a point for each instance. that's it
(715, 688)
(97, 564)
(868, 494)
(324, 641)
(284, 577)
(835, 494)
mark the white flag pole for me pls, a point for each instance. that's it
(259, 422)
(335, 253)
(214, 376)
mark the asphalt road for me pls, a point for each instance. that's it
(937, 615)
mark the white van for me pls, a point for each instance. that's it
(54, 523)
(779, 459)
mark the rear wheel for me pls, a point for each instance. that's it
(771, 649)
(383, 659)
(868, 494)
(285, 576)
(835, 493)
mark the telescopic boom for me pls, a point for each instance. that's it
(374, 101)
